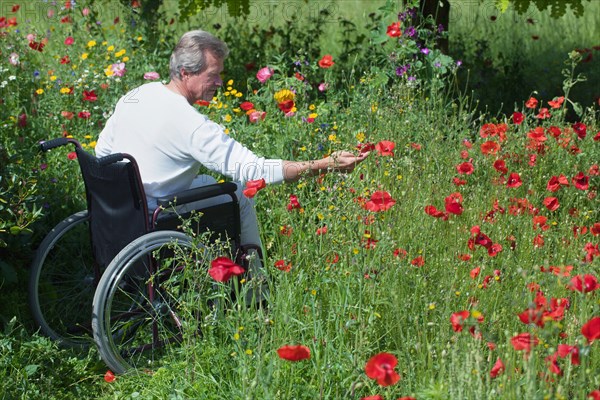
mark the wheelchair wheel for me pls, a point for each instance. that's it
(151, 299)
(62, 283)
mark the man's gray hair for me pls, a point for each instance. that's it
(189, 53)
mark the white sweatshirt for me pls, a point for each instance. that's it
(170, 139)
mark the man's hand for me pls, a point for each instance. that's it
(345, 161)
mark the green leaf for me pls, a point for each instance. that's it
(502, 5)
(31, 369)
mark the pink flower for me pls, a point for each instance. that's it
(264, 74)
(256, 116)
(69, 40)
(118, 69)
(323, 86)
(13, 58)
(151, 76)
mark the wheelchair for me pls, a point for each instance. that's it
(125, 276)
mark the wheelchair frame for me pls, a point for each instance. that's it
(123, 272)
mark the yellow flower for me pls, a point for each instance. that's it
(226, 94)
(40, 91)
(104, 43)
(110, 48)
(249, 352)
(227, 118)
(120, 53)
(360, 136)
(311, 107)
(374, 107)
(139, 38)
(65, 90)
(125, 59)
(91, 43)
(234, 92)
(108, 71)
(53, 78)
(332, 138)
(284, 95)
(313, 115)
(236, 336)
(239, 94)
(84, 56)
(230, 82)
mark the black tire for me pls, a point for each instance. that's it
(152, 296)
(62, 282)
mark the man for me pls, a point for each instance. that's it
(158, 125)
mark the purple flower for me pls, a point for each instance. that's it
(412, 78)
(458, 63)
(402, 69)
(440, 28)
(437, 64)
(425, 50)
(410, 31)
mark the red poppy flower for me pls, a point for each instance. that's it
(465, 168)
(72, 155)
(500, 166)
(109, 376)
(293, 353)
(531, 103)
(551, 203)
(543, 114)
(326, 61)
(418, 261)
(518, 118)
(15, 8)
(557, 102)
(497, 369)
(282, 266)
(65, 60)
(69, 40)
(532, 316)
(564, 350)
(222, 269)
(595, 229)
(294, 203)
(376, 397)
(203, 103)
(524, 341)
(252, 187)
(584, 283)
(490, 147)
(581, 181)
(400, 253)
(458, 319)
(537, 134)
(89, 96)
(286, 106)
(556, 182)
(393, 30)
(321, 231)
(407, 398)
(365, 147)
(594, 395)
(39, 46)
(514, 180)
(385, 148)
(381, 368)
(380, 201)
(580, 129)
(246, 106)
(591, 330)
(474, 273)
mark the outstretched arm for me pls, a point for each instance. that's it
(341, 161)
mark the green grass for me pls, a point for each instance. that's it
(370, 300)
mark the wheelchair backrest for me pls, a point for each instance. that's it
(116, 203)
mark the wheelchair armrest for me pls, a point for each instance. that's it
(200, 193)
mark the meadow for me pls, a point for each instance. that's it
(459, 261)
